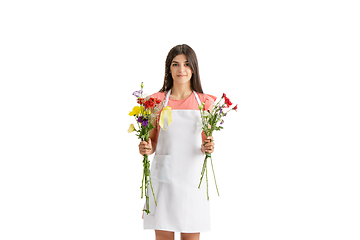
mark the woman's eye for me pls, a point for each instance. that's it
(174, 64)
(186, 64)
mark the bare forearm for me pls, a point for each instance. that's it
(153, 149)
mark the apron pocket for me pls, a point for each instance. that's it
(161, 168)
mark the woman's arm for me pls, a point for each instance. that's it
(209, 142)
(149, 148)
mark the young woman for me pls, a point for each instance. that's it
(179, 153)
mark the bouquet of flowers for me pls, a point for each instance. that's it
(210, 122)
(145, 115)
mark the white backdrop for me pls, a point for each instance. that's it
(287, 163)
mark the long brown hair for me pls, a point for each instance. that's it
(195, 82)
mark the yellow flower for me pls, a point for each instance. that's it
(131, 128)
(136, 111)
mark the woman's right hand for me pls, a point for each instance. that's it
(145, 147)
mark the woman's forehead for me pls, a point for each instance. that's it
(180, 58)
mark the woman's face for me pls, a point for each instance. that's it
(180, 70)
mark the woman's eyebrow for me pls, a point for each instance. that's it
(178, 62)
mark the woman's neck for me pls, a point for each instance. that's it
(180, 92)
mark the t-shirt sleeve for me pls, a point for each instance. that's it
(158, 95)
(208, 100)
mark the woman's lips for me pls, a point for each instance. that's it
(181, 75)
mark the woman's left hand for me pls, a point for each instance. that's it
(209, 145)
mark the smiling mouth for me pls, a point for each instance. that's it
(181, 75)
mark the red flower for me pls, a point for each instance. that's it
(140, 101)
(150, 103)
(228, 102)
(235, 108)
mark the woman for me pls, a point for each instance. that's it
(179, 152)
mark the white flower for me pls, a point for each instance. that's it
(205, 113)
(198, 128)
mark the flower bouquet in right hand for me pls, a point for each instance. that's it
(145, 116)
(212, 121)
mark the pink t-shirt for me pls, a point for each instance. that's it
(189, 103)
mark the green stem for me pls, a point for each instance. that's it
(214, 176)
(203, 171)
(138, 125)
(218, 102)
(153, 191)
(147, 201)
(146, 181)
(207, 186)
(142, 184)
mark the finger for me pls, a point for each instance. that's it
(209, 145)
(209, 140)
(143, 149)
(142, 152)
(206, 142)
(146, 147)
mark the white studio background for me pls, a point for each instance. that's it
(287, 163)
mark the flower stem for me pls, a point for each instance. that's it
(207, 186)
(142, 184)
(153, 191)
(214, 176)
(146, 181)
(203, 171)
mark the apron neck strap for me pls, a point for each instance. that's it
(168, 96)
(197, 98)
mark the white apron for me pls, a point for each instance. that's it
(175, 176)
